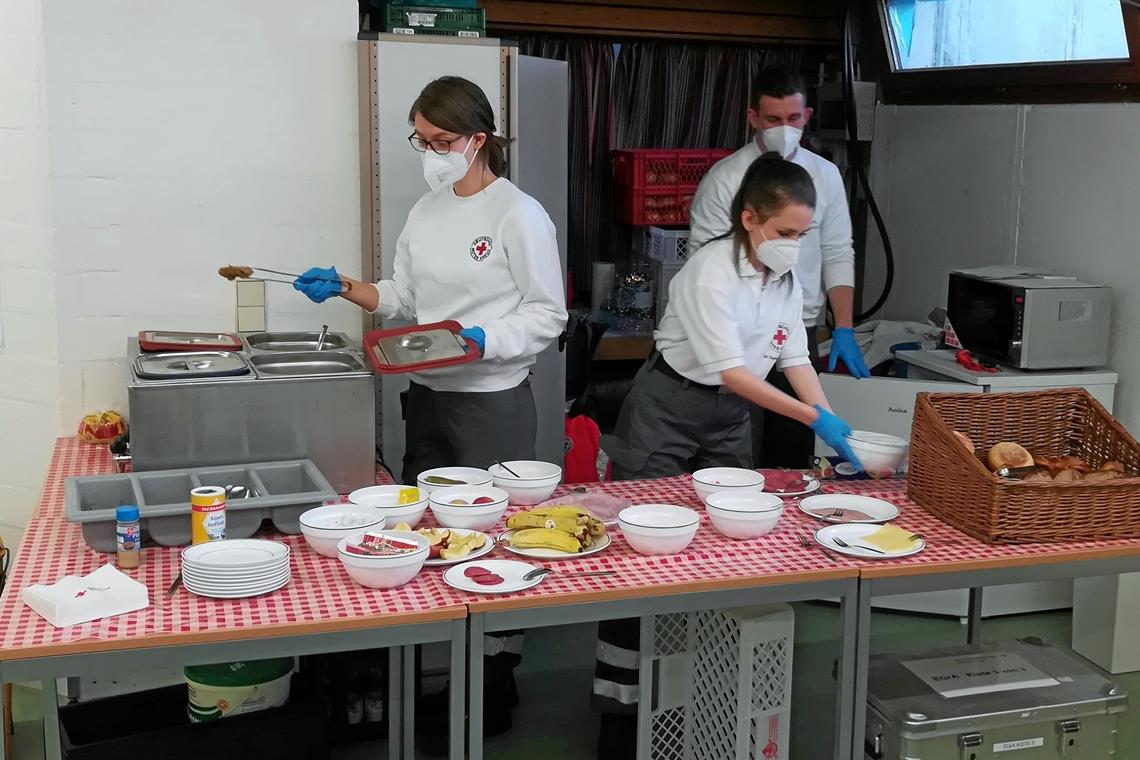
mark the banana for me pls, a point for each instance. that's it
(545, 538)
(561, 510)
(566, 523)
(593, 524)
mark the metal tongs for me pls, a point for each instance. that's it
(1016, 473)
(273, 279)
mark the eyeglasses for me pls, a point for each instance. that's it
(441, 147)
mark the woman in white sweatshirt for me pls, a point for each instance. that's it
(477, 250)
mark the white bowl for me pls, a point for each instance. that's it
(880, 454)
(386, 499)
(384, 572)
(324, 527)
(471, 476)
(534, 483)
(744, 515)
(712, 480)
(659, 528)
(480, 517)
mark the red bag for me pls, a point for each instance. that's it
(582, 447)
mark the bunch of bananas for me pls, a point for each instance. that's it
(563, 528)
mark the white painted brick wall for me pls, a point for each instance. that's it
(185, 136)
(29, 371)
(141, 147)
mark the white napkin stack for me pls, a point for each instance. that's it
(73, 600)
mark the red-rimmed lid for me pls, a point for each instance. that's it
(418, 347)
(174, 340)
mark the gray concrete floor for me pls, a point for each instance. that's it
(554, 683)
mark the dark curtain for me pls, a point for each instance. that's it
(642, 94)
(590, 200)
(687, 95)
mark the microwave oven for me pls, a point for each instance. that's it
(1030, 318)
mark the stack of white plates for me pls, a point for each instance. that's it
(235, 568)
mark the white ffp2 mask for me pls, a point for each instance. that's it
(783, 139)
(778, 255)
(443, 171)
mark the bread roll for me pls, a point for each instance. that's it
(965, 441)
(1008, 454)
(1067, 476)
(1038, 476)
(1103, 475)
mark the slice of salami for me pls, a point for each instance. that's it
(475, 572)
(489, 579)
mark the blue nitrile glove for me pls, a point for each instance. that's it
(476, 334)
(834, 431)
(319, 284)
(843, 346)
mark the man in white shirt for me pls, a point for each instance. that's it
(826, 266)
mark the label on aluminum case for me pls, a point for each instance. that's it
(1020, 744)
(981, 673)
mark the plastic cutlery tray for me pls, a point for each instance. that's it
(282, 491)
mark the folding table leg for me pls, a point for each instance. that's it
(974, 622)
(6, 726)
(458, 688)
(474, 689)
(645, 689)
(408, 696)
(50, 697)
(845, 700)
(395, 703)
(862, 666)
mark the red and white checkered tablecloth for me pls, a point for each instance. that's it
(320, 596)
(948, 549)
(711, 560)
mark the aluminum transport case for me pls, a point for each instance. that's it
(1015, 700)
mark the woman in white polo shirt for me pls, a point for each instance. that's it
(477, 250)
(735, 311)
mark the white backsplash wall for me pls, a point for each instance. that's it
(187, 135)
(142, 146)
(29, 374)
(1051, 186)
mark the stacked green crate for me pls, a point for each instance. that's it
(451, 20)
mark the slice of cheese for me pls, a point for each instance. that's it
(890, 538)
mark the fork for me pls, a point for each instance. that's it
(840, 542)
(807, 543)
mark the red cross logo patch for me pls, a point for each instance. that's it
(481, 247)
(779, 338)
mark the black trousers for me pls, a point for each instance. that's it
(469, 429)
(669, 426)
(778, 441)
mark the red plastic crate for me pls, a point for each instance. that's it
(645, 168)
(658, 207)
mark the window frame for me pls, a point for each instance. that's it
(1056, 82)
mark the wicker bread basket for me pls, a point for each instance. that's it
(958, 488)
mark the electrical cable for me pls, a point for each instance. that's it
(855, 158)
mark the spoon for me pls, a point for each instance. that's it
(540, 571)
(508, 469)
